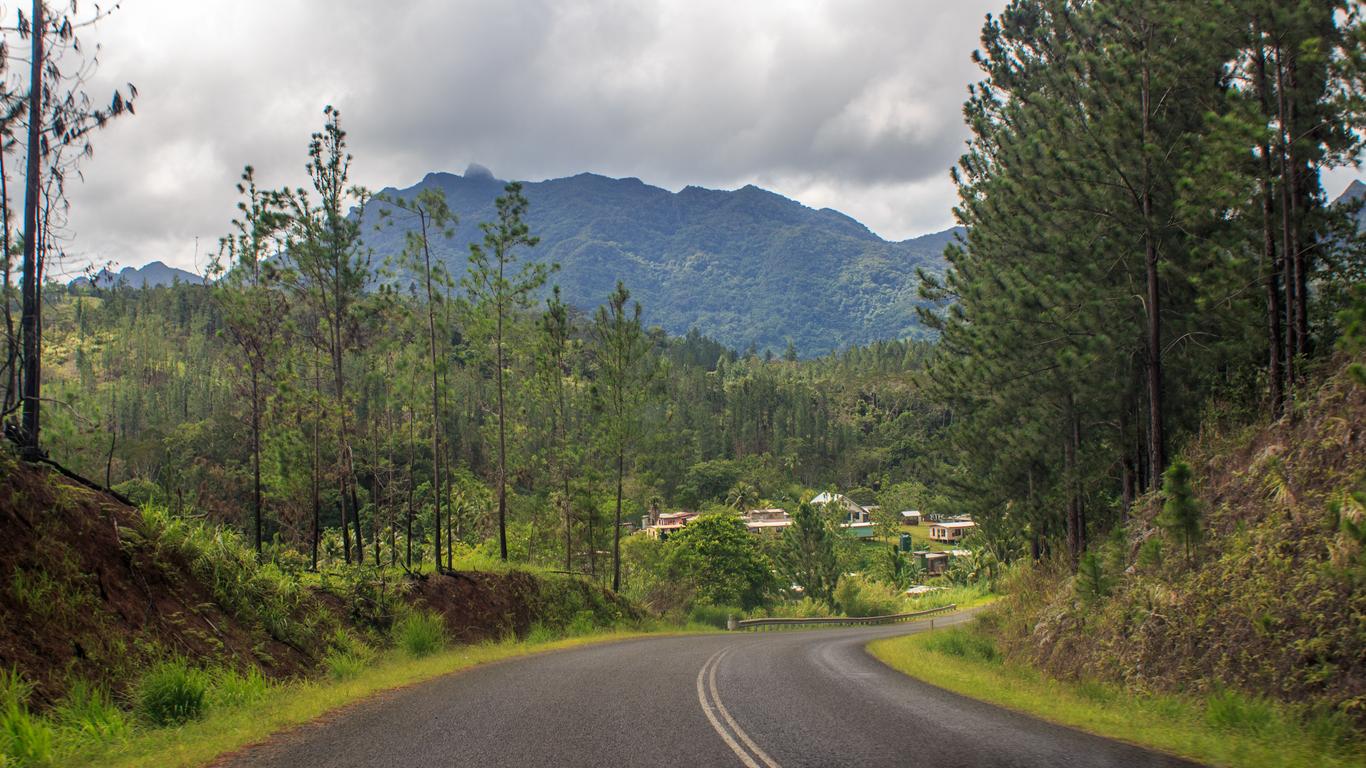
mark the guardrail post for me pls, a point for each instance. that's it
(731, 624)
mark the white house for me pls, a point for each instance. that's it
(952, 531)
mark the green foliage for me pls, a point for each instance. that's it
(719, 559)
(1180, 509)
(1234, 711)
(171, 693)
(347, 655)
(965, 644)
(1093, 583)
(231, 688)
(860, 596)
(807, 556)
(87, 716)
(712, 615)
(25, 739)
(420, 633)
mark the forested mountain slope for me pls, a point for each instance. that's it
(745, 267)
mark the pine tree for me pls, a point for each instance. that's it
(496, 297)
(1180, 509)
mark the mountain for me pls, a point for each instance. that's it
(745, 267)
(148, 275)
(1352, 195)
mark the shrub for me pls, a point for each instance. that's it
(858, 596)
(25, 740)
(1093, 583)
(347, 655)
(711, 615)
(230, 688)
(584, 623)
(965, 645)
(172, 693)
(1236, 712)
(540, 633)
(88, 716)
(420, 633)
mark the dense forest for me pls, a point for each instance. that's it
(1149, 248)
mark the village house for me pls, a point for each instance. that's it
(767, 521)
(858, 519)
(950, 532)
(910, 517)
(665, 523)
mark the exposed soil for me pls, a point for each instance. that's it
(84, 596)
(79, 603)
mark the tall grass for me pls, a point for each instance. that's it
(230, 688)
(87, 716)
(25, 740)
(420, 633)
(172, 693)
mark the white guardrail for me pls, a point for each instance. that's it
(733, 624)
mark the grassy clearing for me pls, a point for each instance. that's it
(281, 707)
(920, 535)
(1225, 729)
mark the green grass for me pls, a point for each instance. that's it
(420, 633)
(920, 535)
(282, 707)
(1225, 728)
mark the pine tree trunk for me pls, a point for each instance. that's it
(256, 455)
(1271, 263)
(1157, 457)
(31, 380)
(616, 531)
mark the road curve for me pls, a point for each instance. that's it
(760, 700)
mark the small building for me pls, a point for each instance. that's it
(910, 517)
(861, 530)
(934, 563)
(951, 531)
(667, 523)
(767, 521)
(853, 512)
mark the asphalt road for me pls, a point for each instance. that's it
(762, 700)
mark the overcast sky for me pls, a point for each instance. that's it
(848, 104)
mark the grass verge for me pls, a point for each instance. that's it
(1224, 729)
(283, 707)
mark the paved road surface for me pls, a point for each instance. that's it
(761, 700)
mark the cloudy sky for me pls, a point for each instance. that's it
(850, 104)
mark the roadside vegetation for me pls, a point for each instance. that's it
(1219, 727)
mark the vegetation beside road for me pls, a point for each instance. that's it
(1222, 728)
(280, 707)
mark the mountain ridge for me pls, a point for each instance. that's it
(748, 267)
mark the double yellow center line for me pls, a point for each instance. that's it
(750, 754)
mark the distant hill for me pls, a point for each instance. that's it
(149, 275)
(744, 267)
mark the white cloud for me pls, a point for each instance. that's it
(851, 104)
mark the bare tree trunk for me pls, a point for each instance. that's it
(256, 455)
(29, 319)
(317, 481)
(1157, 450)
(1069, 454)
(502, 441)
(1271, 263)
(616, 531)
